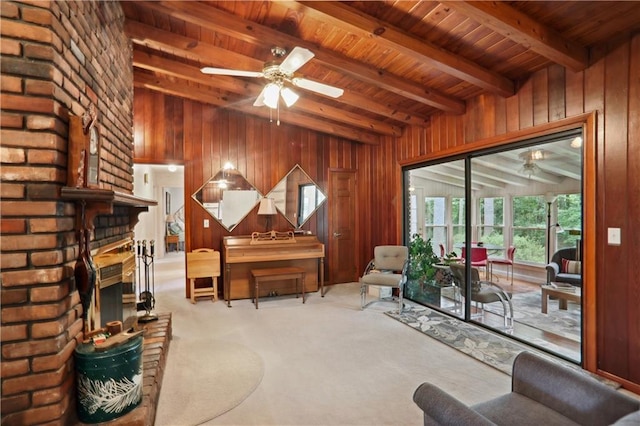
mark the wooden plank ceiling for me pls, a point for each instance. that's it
(398, 61)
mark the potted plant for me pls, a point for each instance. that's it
(422, 260)
(428, 274)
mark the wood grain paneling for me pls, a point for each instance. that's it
(610, 88)
(158, 128)
(204, 138)
(633, 209)
(612, 292)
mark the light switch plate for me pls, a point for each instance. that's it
(614, 237)
(206, 223)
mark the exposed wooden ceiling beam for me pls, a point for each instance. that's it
(454, 168)
(509, 160)
(562, 168)
(346, 17)
(252, 90)
(210, 96)
(428, 175)
(509, 176)
(189, 48)
(229, 24)
(522, 29)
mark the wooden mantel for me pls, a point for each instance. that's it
(102, 201)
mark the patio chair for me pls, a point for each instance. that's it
(483, 292)
(507, 261)
(479, 258)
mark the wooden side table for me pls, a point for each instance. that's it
(171, 239)
(564, 294)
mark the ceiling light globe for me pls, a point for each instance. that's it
(289, 96)
(271, 94)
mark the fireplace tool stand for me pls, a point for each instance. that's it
(146, 267)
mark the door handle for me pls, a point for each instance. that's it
(336, 234)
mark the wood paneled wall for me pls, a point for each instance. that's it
(204, 139)
(169, 129)
(610, 87)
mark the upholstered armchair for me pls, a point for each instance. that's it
(388, 268)
(543, 393)
(571, 273)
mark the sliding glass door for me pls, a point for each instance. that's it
(496, 219)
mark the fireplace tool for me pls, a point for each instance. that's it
(147, 298)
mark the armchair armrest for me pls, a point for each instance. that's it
(503, 295)
(371, 266)
(582, 399)
(440, 408)
(553, 269)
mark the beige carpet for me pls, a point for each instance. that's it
(207, 378)
(326, 362)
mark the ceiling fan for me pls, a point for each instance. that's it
(530, 157)
(280, 72)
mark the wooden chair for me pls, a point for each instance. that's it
(203, 263)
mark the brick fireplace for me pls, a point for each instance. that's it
(58, 59)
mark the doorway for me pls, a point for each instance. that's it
(164, 183)
(516, 206)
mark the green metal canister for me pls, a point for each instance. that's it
(109, 383)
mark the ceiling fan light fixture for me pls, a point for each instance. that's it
(271, 93)
(576, 142)
(529, 168)
(289, 96)
(536, 155)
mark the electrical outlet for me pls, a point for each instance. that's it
(206, 223)
(614, 237)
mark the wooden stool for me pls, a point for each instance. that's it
(203, 263)
(277, 274)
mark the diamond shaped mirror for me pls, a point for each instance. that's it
(228, 197)
(297, 196)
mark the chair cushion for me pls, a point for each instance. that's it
(390, 257)
(516, 409)
(382, 278)
(500, 261)
(632, 419)
(573, 279)
(571, 266)
(485, 295)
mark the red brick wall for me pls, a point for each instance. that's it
(57, 58)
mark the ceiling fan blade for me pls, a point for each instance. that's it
(297, 58)
(315, 86)
(234, 73)
(260, 99)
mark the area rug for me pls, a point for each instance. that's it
(479, 343)
(206, 378)
(527, 310)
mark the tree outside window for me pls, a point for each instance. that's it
(435, 218)
(530, 228)
(457, 219)
(570, 218)
(491, 228)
